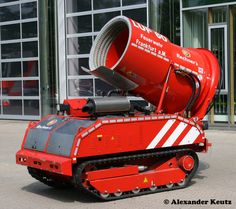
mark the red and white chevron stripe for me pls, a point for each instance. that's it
(174, 133)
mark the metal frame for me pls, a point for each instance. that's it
(16, 2)
(231, 65)
(207, 6)
(181, 23)
(221, 118)
(224, 26)
(62, 36)
(21, 59)
(61, 50)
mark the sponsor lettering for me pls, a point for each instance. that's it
(44, 127)
(186, 59)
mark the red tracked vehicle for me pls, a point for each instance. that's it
(113, 148)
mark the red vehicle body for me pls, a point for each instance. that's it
(113, 148)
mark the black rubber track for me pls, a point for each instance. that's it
(159, 154)
(41, 176)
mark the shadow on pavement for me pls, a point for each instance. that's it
(63, 195)
(199, 174)
(202, 166)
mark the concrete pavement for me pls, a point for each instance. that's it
(214, 186)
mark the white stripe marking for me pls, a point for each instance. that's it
(76, 150)
(190, 136)
(78, 143)
(170, 141)
(160, 134)
(84, 134)
(91, 129)
(98, 125)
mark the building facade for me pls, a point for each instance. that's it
(212, 25)
(45, 43)
(19, 60)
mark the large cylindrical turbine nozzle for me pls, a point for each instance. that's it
(134, 58)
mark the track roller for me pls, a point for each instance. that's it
(170, 185)
(118, 193)
(182, 183)
(136, 191)
(153, 188)
(104, 195)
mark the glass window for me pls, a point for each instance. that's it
(128, 2)
(101, 19)
(217, 46)
(80, 45)
(218, 14)
(221, 104)
(11, 50)
(102, 88)
(195, 28)
(6, 1)
(12, 107)
(169, 27)
(31, 107)
(29, 10)
(78, 84)
(78, 5)
(9, 32)
(30, 49)
(12, 88)
(31, 88)
(29, 30)
(11, 69)
(139, 15)
(75, 64)
(80, 87)
(193, 3)
(79, 24)
(30, 68)
(102, 4)
(9, 13)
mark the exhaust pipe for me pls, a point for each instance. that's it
(107, 105)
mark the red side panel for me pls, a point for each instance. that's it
(142, 180)
(163, 173)
(114, 135)
(112, 172)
